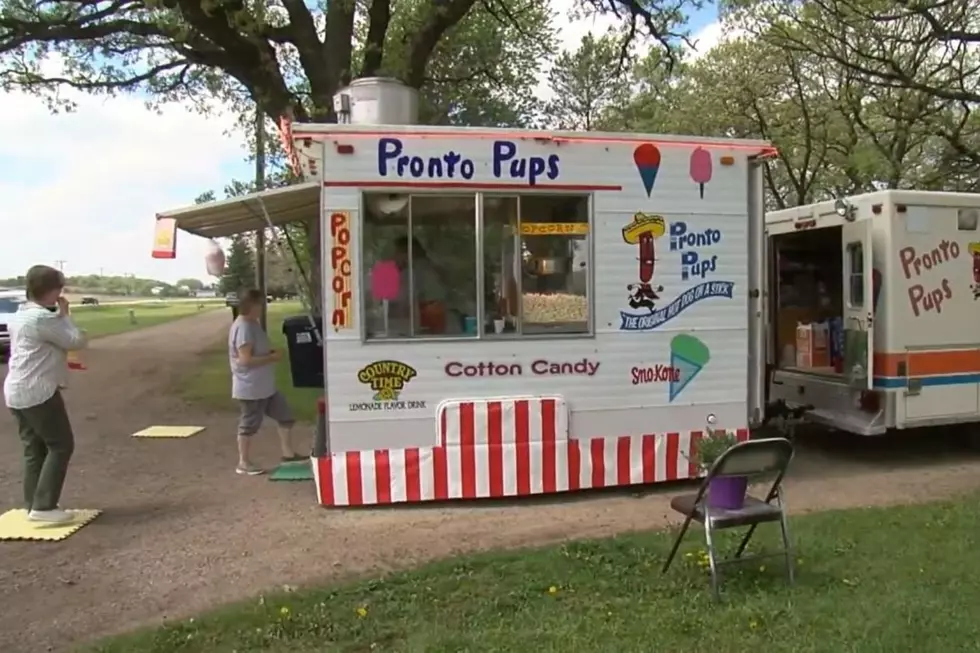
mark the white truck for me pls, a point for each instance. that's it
(873, 310)
(10, 301)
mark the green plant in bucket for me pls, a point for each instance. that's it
(711, 447)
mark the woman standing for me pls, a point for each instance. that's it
(41, 335)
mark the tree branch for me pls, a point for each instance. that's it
(379, 15)
(442, 15)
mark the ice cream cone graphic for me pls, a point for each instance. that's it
(688, 356)
(647, 160)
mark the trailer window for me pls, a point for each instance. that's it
(855, 275)
(536, 271)
(419, 265)
(429, 271)
(967, 219)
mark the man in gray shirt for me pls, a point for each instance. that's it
(253, 382)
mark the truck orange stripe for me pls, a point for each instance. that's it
(927, 363)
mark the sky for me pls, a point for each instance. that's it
(80, 190)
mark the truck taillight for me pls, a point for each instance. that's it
(870, 401)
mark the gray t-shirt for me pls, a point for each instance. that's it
(250, 382)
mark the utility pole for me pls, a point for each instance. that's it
(260, 280)
(61, 264)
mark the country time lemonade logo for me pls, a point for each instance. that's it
(387, 379)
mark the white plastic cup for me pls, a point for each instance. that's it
(498, 326)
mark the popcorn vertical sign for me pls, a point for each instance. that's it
(341, 272)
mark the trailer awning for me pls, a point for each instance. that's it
(237, 215)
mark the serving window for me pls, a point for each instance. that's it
(475, 265)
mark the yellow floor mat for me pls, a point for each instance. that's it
(168, 432)
(14, 525)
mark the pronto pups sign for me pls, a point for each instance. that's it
(506, 163)
(928, 295)
(645, 293)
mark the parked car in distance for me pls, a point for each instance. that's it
(10, 301)
(90, 301)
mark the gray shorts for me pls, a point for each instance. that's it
(253, 411)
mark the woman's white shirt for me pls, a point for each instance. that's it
(38, 365)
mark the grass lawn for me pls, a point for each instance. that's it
(875, 580)
(209, 384)
(107, 320)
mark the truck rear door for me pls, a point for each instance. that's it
(858, 304)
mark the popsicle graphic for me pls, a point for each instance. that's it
(647, 160)
(701, 167)
(688, 356)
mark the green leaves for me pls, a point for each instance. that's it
(585, 83)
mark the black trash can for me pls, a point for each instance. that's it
(305, 354)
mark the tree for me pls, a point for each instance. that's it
(190, 284)
(275, 55)
(585, 82)
(287, 58)
(927, 47)
(836, 134)
(239, 267)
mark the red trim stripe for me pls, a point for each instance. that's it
(541, 137)
(623, 462)
(382, 475)
(355, 494)
(673, 442)
(467, 453)
(440, 468)
(549, 439)
(413, 477)
(523, 437)
(470, 185)
(649, 458)
(574, 465)
(325, 468)
(495, 448)
(390, 478)
(692, 467)
(598, 453)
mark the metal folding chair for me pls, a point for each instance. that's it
(756, 459)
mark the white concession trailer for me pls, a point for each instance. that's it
(515, 312)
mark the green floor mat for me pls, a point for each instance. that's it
(300, 471)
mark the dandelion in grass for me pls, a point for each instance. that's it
(361, 612)
(753, 625)
(284, 611)
(552, 590)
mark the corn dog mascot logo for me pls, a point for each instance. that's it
(642, 232)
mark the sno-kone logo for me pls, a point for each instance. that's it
(694, 263)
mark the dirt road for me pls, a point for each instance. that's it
(181, 532)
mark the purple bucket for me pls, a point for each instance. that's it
(727, 492)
